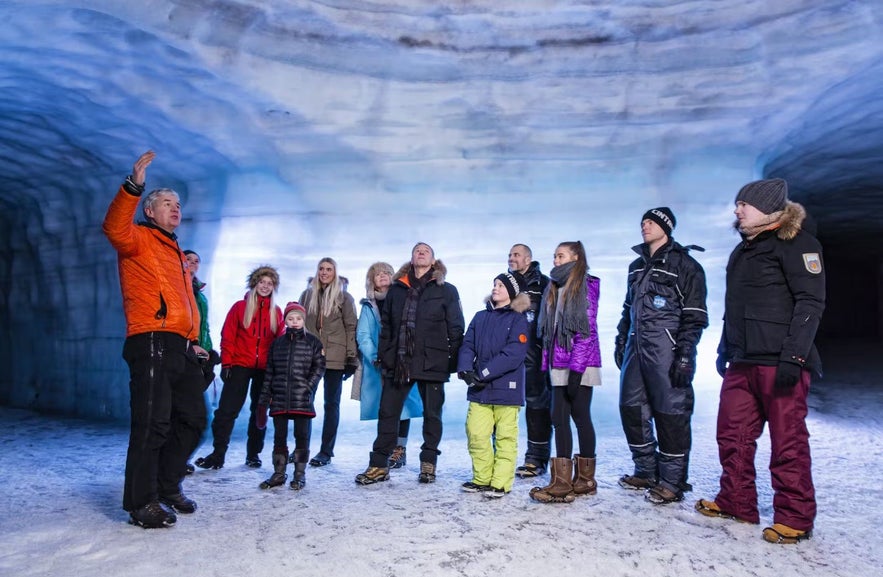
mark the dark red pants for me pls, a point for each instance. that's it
(748, 400)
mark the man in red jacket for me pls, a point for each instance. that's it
(161, 348)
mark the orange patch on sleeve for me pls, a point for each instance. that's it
(522, 338)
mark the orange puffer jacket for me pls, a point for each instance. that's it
(154, 274)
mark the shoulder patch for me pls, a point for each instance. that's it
(522, 338)
(812, 262)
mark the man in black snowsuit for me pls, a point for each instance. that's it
(663, 317)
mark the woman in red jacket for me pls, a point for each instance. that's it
(248, 332)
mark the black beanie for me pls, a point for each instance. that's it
(663, 216)
(767, 196)
(513, 281)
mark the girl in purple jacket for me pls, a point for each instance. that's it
(568, 328)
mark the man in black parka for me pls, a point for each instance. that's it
(421, 329)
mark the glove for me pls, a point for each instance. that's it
(574, 382)
(787, 375)
(349, 370)
(721, 365)
(261, 417)
(619, 351)
(468, 377)
(225, 373)
(682, 370)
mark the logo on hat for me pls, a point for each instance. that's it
(812, 262)
(664, 217)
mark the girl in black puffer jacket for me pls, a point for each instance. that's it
(295, 365)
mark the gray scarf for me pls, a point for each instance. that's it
(569, 317)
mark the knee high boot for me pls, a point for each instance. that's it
(584, 475)
(560, 488)
(280, 461)
(301, 456)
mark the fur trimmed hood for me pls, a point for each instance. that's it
(519, 304)
(789, 224)
(439, 272)
(264, 270)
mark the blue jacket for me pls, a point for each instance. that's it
(494, 347)
(367, 336)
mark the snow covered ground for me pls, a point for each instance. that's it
(63, 481)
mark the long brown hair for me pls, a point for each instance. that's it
(577, 275)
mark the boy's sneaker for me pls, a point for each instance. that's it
(179, 502)
(635, 483)
(494, 493)
(398, 459)
(373, 475)
(470, 487)
(784, 535)
(152, 516)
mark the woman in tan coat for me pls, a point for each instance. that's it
(331, 316)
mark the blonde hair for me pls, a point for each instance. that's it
(333, 292)
(374, 270)
(251, 299)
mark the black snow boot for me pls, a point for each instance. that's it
(301, 456)
(214, 460)
(280, 461)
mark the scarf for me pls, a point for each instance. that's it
(569, 318)
(379, 297)
(771, 222)
(405, 349)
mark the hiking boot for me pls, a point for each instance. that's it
(189, 469)
(253, 461)
(784, 535)
(711, 509)
(528, 470)
(211, 461)
(660, 495)
(470, 487)
(636, 483)
(494, 493)
(398, 459)
(152, 516)
(179, 502)
(427, 472)
(320, 460)
(373, 475)
(275, 480)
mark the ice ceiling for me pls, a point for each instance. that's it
(288, 124)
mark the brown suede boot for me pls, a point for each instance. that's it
(584, 476)
(560, 488)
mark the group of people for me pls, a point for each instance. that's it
(535, 344)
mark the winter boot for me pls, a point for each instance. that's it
(560, 488)
(373, 475)
(398, 459)
(152, 516)
(784, 535)
(214, 460)
(301, 456)
(584, 476)
(529, 469)
(280, 461)
(178, 502)
(427, 472)
(636, 483)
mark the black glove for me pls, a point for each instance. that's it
(787, 375)
(619, 351)
(574, 381)
(682, 369)
(471, 379)
(721, 365)
(225, 374)
(349, 370)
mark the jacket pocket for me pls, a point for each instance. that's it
(765, 330)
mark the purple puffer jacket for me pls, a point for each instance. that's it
(585, 351)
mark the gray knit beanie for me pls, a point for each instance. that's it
(767, 196)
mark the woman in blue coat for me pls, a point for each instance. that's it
(368, 383)
(491, 361)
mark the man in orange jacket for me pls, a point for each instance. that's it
(161, 349)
